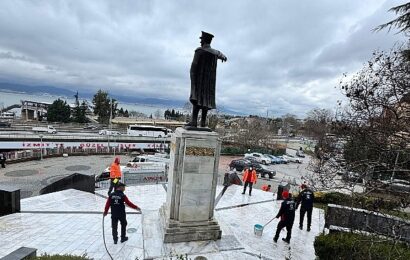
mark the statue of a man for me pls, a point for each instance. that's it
(203, 78)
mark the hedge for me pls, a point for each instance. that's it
(237, 150)
(355, 246)
(61, 257)
(357, 201)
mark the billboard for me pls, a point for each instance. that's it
(86, 145)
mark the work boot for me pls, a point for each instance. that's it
(308, 229)
(286, 240)
(250, 194)
(301, 227)
(275, 239)
(123, 239)
(115, 241)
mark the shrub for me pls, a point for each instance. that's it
(355, 246)
(357, 201)
(62, 257)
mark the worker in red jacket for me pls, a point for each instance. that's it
(249, 177)
(115, 174)
(117, 201)
(266, 187)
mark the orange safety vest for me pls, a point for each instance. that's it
(253, 176)
(115, 171)
(265, 188)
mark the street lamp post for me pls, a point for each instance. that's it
(41, 147)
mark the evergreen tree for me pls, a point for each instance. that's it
(59, 111)
(102, 106)
(126, 114)
(80, 113)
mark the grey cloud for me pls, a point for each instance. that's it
(283, 56)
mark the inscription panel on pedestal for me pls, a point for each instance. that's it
(197, 179)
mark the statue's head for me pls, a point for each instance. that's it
(206, 38)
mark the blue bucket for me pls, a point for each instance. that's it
(258, 230)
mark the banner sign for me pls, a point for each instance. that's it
(84, 145)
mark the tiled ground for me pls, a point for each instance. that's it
(70, 222)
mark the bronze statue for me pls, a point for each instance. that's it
(203, 78)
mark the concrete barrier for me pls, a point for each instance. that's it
(76, 181)
(368, 221)
(23, 253)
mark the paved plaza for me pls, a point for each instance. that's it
(70, 221)
(32, 176)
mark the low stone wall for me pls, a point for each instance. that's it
(76, 181)
(368, 221)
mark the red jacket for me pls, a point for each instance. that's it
(253, 176)
(265, 188)
(115, 171)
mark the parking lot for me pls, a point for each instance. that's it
(32, 176)
(290, 172)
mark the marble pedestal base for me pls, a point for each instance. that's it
(188, 214)
(176, 231)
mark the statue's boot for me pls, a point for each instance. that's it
(203, 118)
(194, 118)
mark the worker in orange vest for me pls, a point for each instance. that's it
(249, 177)
(115, 174)
(266, 187)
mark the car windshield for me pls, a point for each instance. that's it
(264, 167)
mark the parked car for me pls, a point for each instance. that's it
(240, 164)
(264, 171)
(108, 132)
(259, 157)
(283, 159)
(292, 158)
(300, 153)
(274, 159)
(4, 124)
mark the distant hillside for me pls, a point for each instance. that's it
(131, 99)
(88, 95)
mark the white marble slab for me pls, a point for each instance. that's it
(76, 234)
(147, 197)
(234, 197)
(81, 233)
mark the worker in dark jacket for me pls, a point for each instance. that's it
(306, 198)
(287, 217)
(117, 201)
(3, 160)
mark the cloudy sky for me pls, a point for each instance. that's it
(283, 56)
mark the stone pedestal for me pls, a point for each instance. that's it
(188, 212)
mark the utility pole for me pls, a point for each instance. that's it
(41, 147)
(109, 133)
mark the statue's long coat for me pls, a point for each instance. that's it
(203, 77)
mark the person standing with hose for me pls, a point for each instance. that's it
(115, 174)
(305, 198)
(249, 177)
(117, 201)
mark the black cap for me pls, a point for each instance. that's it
(207, 37)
